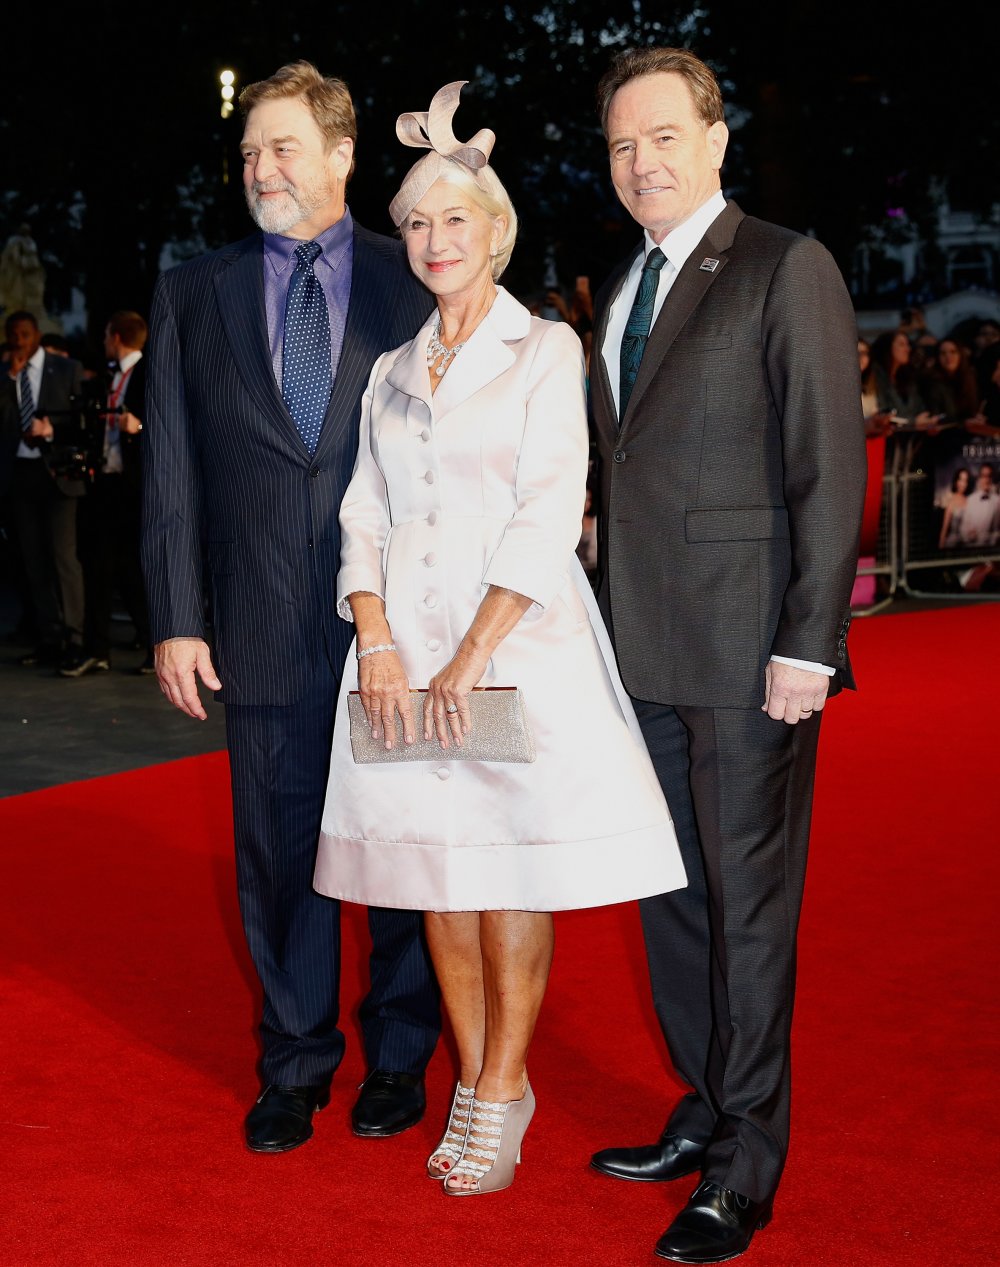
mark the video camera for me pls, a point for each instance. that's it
(77, 446)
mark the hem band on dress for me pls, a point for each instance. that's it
(551, 877)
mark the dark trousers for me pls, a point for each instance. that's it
(722, 951)
(280, 759)
(45, 523)
(109, 529)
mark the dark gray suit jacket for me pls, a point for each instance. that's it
(227, 479)
(731, 495)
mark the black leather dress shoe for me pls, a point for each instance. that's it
(671, 1158)
(282, 1117)
(388, 1103)
(716, 1224)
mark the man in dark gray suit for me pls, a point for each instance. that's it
(258, 359)
(733, 470)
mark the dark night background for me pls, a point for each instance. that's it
(113, 142)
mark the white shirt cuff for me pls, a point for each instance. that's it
(805, 664)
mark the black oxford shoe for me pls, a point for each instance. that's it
(388, 1103)
(716, 1224)
(671, 1158)
(282, 1117)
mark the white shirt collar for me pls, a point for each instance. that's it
(38, 360)
(680, 242)
(126, 363)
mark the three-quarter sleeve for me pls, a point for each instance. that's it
(539, 543)
(364, 516)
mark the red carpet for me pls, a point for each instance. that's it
(127, 1011)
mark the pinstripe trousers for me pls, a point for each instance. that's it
(280, 759)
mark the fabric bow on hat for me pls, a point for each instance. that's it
(432, 130)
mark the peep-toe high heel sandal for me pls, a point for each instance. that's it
(492, 1146)
(453, 1139)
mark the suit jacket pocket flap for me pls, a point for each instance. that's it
(736, 523)
(698, 343)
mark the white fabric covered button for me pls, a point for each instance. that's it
(429, 477)
(425, 435)
(434, 644)
(432, 518)
(443, 773)
(430, 558)
(431, 600)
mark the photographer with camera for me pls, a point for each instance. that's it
(110, 516)
(38, 403)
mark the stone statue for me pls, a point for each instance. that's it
(22, 278)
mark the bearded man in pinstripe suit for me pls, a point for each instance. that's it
(259, 356)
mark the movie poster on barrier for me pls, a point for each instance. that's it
(967, 494)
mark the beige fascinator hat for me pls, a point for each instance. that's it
(432, 130)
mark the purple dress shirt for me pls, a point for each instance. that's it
(333, 270)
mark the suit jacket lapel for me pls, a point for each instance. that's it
(47, 390)
(364, 340)
(240, 292)
(606, 414)
(689, 288)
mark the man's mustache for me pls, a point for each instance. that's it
(269, 187)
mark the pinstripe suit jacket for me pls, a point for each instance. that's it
(229, 487)
(731, 493)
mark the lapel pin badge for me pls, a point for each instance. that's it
(708, 265)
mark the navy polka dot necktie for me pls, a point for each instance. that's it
(305, 355)
(640, 318)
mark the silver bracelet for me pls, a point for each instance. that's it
(382, 646)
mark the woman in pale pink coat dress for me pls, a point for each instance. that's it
(458, 569)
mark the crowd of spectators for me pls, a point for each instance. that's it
(911, 378)
(70, 460)
(70, 491)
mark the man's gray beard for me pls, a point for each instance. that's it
(274, 217)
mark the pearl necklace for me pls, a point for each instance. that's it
(435, 349)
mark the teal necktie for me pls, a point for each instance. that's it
(637, 327)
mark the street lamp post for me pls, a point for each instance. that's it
(227, 80)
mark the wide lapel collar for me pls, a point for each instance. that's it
(690, 287)
(486, 355)
(239, 289)
(408, 372)
(606, 415)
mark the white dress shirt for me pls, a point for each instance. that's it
(113, 464)
(35, 366)
(677, 247)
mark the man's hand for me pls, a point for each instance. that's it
(41, 429)
(790, 694)
(129, 424)
(177, 662)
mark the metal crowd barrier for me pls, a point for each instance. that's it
(906, 552)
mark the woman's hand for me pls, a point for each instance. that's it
(385, 691)
(450, 690)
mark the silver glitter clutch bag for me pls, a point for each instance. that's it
(499, 731)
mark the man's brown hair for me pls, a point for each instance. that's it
(632, 63)
(130, 328)
(328, 99)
